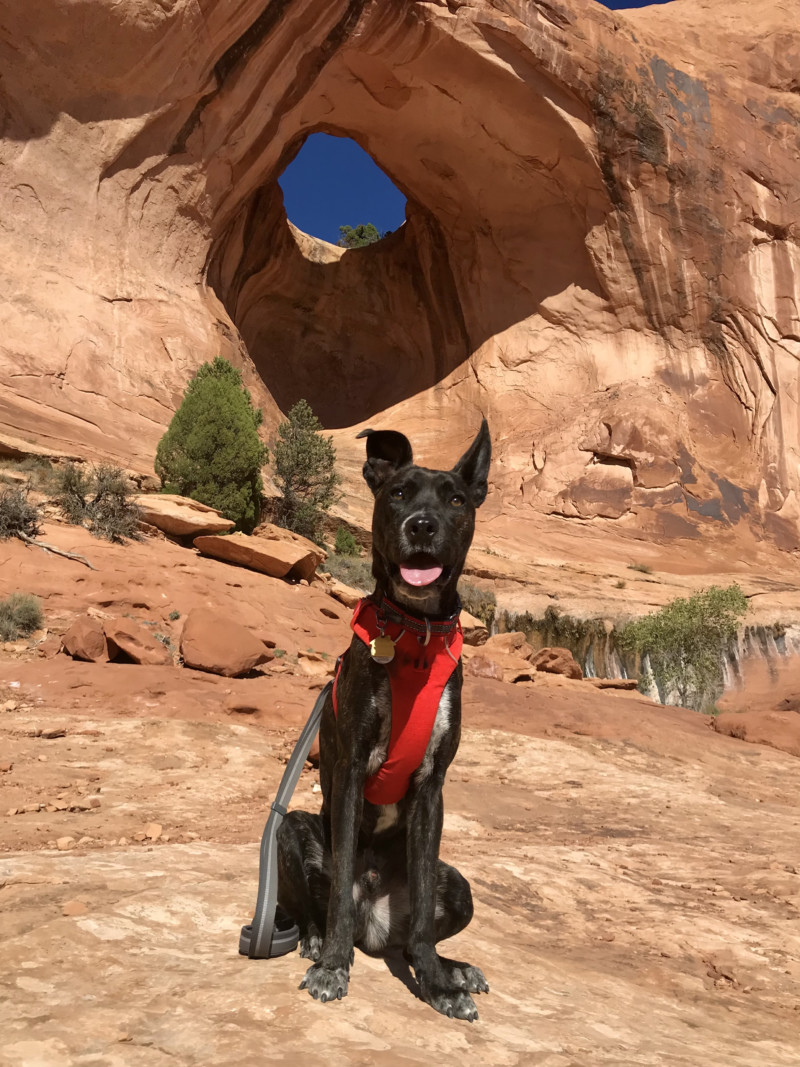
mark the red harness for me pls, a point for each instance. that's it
(425, 656)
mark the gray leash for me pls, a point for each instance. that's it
(264, 937)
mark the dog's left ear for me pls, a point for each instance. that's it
(473, 466)
(387, 452)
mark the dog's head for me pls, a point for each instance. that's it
(423, 520)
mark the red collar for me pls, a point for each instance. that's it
(424, 654)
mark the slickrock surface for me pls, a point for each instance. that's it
(635, 873)
(600, 251)
(635, 880)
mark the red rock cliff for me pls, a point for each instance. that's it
(601, 251)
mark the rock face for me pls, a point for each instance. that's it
(600, 252)
(212, 642)
(181, 516)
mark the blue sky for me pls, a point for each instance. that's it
(332, 182)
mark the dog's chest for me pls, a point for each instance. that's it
(441, 724)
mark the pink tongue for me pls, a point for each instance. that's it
(420, 575)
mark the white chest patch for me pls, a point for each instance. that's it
(441, 724)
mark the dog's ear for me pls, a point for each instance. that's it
(387, 452)
(473, 466)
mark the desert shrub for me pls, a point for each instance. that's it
(685, 643)
(20, 615)
(642, 568)
(359, 236)
(18, 515)
(211, 451)
(305, 472)
(482, 603)
(346, 544)
(99, 499)
(352, 570)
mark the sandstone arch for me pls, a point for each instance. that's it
(600, 250)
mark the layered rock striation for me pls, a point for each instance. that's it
(600, 252)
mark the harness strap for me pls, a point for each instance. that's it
(263, 937)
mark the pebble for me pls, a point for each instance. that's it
(153, 831)
(63, 844)
(5, 767)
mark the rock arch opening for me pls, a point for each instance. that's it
(332, 184)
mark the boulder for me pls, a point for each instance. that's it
(556, 661)
(513, 643)
(136, 642)
(628, 684)
(86, 640)
(277, 557)
(475, 632)
(180, 516)
(217, 643)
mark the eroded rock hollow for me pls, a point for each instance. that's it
(600, 252)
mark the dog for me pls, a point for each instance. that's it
(366, 872)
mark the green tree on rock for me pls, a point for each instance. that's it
(304, 471)
(211, 451)
(359, 236)
(686, 641)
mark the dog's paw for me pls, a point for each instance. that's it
(311, 947)
(326, 983)
(454, 1003)
(469, 978)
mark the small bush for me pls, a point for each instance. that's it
(20, 615)
(482, 603)
(619, 584)
(99, 500)
(686, 641)
(642, 568)
(346, 544)
(17, 515)
(304, 471)
(211, 451)
(359, 236)
(352, 570)
(174, 615)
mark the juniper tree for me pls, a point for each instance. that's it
(305, 472)
(211, 451)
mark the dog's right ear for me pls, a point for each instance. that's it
(387, 452)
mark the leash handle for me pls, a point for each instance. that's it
(262, 938)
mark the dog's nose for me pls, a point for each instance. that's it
(421, 528)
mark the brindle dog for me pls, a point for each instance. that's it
(370, 875)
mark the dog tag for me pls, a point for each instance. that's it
(382, 649)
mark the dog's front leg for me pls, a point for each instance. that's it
(328, 978)
(442, 987)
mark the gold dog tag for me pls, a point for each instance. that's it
(382, 649)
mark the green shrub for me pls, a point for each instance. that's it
(304, 471)
(20, 615)
(346, 544)
(211, 451)
(99, 499)
(482, 603)
(352, 570)
(17, 515)
(686, 641)
(359, 236)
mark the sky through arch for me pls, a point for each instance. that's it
(333, 182)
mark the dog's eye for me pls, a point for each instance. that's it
(457, 500)
(398, 493)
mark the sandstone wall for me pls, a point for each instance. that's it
(601, 251)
